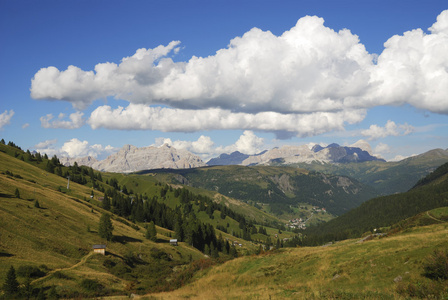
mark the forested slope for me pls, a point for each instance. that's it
(429, 193)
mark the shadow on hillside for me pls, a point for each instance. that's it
(125, 239)
(5, 254)
(2, 195)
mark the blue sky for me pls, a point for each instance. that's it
(87, 77)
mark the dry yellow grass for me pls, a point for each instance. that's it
(362, 270)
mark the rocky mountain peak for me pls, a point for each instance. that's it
(132, 159)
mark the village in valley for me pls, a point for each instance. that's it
(308, 213)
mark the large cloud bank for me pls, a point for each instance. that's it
(307, 81)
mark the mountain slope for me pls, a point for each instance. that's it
(386, 177)
(280, 187)
(60, 231)
(386, 210)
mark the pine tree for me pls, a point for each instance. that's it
(214, 251)
(106, 228)
(27, 289)
(11, 285)
(36, 204)
(233, 251)
(17, 193)
(206, 249)
(151, 232)
(106, 203)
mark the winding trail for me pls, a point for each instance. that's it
(81, 262)
(433, 217)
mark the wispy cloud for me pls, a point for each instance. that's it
(76, 120)
(5, 118)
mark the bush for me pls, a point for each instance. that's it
(436, 266)
(30, 271)
(91, 285)
(159, 254)
(60, 275)
(425, 290)
(109, 263)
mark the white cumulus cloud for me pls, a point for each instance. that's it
(76, 120)
(413, 69)
(141, 117)
(74, 148)
(307, 81)
(382, 148)
(5, 118)
(247, 143)
(390, 129)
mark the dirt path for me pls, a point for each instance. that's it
(433, 217)
(81, 262)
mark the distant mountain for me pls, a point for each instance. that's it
(235, 158)
(287, 155)
(132, 159)
(81, 161)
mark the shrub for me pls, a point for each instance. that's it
(436, 266)
(60, 275)
(30, 271)
(91, 285)
(425, 290)
(109, 263)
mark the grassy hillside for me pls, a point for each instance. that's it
(57, 236)
(48, 230)
(386, 268)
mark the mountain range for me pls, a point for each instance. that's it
(286, 155)
(355, 161)
(131, 159)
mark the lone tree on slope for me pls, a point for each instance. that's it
(11, 286)
(106, 228)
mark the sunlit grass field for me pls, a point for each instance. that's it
(345, 270)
